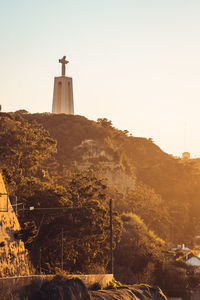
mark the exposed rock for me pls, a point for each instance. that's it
(60, 289)
(91, 152)
(74, 289)
(143, 292)
(13, 256)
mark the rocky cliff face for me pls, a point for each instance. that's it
(91, 153)
(13, 256)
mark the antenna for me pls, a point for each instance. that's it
(185, 137)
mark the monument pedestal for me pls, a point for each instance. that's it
(63, 96)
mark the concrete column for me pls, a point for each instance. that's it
(63, 102)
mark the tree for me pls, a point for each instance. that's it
(25, 149)
(83, 216)
(138, 252)
(144, 202)
(104, 122)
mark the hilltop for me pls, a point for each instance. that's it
(127, 161)
(83, 143)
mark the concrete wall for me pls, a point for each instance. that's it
(10, 285)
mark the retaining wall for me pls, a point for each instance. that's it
(10, 285)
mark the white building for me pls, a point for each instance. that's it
(192, 260)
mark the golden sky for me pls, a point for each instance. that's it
(136, 63)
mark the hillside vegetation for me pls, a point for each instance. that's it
(175, 181)
(78, 165)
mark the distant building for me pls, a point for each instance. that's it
(180, 247)
(192, 260)
(186, 155)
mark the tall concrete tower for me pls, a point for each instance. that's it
(63, 102)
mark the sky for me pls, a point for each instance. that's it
(134, 62)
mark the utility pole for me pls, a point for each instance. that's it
(16, 206)
(40, 259)
(62, 249)
(111, 239)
